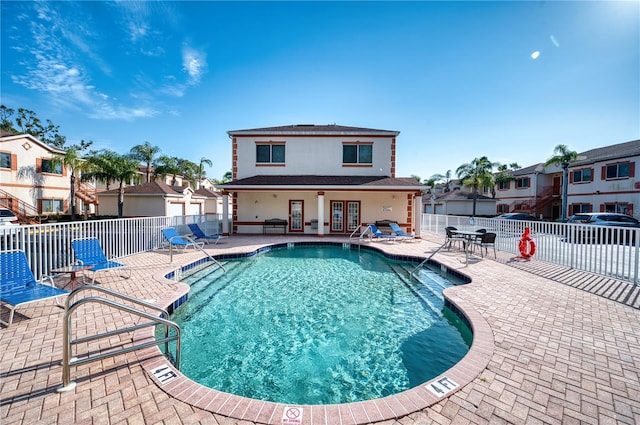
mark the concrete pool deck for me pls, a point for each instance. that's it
(565, 349)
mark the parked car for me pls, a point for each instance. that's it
(607, 228)
(513, 223)
(518, 216)
(8, 218)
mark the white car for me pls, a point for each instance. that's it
(8, 219)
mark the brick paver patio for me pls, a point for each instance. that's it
(564, 350)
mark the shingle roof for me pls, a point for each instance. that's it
(208, 193)
(460, 195)
(609, 152)
(315, 180)
(151, 188)
(312, 129)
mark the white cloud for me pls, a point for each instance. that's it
(194, 62)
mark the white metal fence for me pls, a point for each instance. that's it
(606, 250)
(48, 246)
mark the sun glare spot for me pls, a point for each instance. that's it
(535, 55)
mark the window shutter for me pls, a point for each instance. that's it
(39, 206)
(64, 170)
(14, 162)
(603, 176)
(570, 177)
(65, 205)
(38, 165)
(632, 169)
(590, 207)
(528, 181)
(601, 207)
(592, 173)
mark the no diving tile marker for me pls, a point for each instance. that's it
(292, 415)
(441, 386)
(164, 374)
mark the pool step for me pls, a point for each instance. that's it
(431, 298)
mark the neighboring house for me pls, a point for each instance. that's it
(33, 184)
(601, 180)
(458, 202)
(321, 179)
(153, 199)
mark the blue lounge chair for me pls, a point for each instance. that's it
(19, 287)
(176, 240)
(401, 233)
(89, 252)
(375, 232)
(200, 235)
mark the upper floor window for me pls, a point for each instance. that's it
(503, 185)
(5, 160)
(618, 171)
(51, 167)
(357, 153)
(522, 182)
(503, 208)
(270, 153)
(584, 175)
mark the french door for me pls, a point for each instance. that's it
(345, 216)
(296, 217)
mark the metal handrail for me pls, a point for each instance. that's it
(419, 266)
(68, 361)
(361, 233)
(195, 245)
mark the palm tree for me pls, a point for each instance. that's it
(477, 173)
(145, 153)
(103, 166)
(504, 175)
(442, 178)
(563, 157)
(72, 160)
(201, 172)
(167, 165)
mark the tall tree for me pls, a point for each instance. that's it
(72, 160)
(477, 173)
(125, 168)
(145, 153)
(201, 173)
(166, 166)
(443, 178)
(504, 175)
(27, 122)
(562, 156)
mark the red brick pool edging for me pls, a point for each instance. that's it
(175, 384)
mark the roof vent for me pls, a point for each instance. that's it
(305, 125)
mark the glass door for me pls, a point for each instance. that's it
(337, 220)
(345, 216)
(296, 218)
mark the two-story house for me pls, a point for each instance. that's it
(321, 179)
(32, 182)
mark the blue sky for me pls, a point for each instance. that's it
(457, 79)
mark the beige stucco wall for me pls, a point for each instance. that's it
(25, 183)
(134, 206)
(255, 207)
(313, 155)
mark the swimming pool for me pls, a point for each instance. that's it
(317, 325)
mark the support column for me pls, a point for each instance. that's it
(417, 214)
(225, 213)
(320, 214)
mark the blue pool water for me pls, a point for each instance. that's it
(317, 325)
